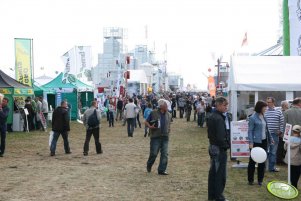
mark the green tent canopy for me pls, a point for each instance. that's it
(70, 91)
(39, 90)
(13, 90)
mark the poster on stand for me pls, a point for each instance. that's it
(239, 139)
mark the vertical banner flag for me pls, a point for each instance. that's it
(83, 62)
(295, 27)
(70, 71)
(211, 85)
(23, 60)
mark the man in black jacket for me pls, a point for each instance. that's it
(219, 143)
(4, 110)
(60, 125)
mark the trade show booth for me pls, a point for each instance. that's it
(254, 78)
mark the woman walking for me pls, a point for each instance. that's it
(259, 136)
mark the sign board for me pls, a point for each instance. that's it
(287, 132)
(239, 139)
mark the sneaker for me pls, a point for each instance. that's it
(260, 183)
(52, 154)
(275, 170)
(69, 152)
(85, 154)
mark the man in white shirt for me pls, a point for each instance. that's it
(130, 115)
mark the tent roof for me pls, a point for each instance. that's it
(41, 88)
(57, 83)
(137, 76)
(265, 73)
(8, 82)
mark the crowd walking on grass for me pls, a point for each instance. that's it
(152, 116)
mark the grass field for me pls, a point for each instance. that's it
(27, 172)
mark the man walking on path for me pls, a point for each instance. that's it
(219, 143)
(60, 126)
(92, 129)
(159, 124)
(130, 116)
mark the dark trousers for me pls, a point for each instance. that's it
(137, 120)
(108, 118)
(158, 144)
(56, 136)
(295, 174)
(130, 126)
(111, 118)
(188, 114)
(174, 112)
(217, 173)
(95, 133)
(181, 112)
(201, 119)
(195, 115)
(261, 166)
(3, 137)
(280, 151)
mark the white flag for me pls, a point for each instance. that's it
(70, 71)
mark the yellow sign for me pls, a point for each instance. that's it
(5, 91)
(23, 61)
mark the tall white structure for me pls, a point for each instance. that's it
(111, 63)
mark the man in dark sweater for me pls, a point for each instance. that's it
(158, 123)
(219, 143)
(60, 126)
(4, 110)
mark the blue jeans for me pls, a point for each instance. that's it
(130, 126)
(273, 152)
(56, 136)
(217, 173)
(201, 119)
(3, 129)
(158, 144)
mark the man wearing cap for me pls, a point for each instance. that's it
(295, 155)
(158, 123)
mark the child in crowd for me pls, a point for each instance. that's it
(295, 147)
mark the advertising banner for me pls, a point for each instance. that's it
(294, 7)
(23, 63)
(70, 72)
(239, 139)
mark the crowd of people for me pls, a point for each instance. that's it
(266, 127)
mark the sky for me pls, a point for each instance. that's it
(196, 32)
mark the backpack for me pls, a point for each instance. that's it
(93, 120)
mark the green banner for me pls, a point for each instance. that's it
(23, 58)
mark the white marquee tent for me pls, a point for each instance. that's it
(263, 74)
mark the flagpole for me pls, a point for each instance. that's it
(32, 63)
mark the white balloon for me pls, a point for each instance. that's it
(258, 155)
